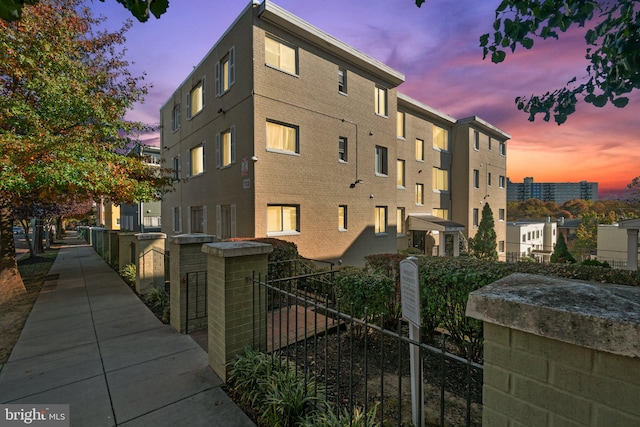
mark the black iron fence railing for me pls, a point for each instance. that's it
(358, 363)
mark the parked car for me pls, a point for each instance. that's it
(18, 230)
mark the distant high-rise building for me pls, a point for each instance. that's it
(558, 192)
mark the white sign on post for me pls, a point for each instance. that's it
(410, 290)
(410, 302)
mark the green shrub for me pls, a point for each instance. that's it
(362, 291)
(156, 298)
(342, 418)
(129, 274)
(595, 263)
(272, 387)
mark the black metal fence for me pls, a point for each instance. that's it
(359, 363)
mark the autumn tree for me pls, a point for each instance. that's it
(64, 92)
(484, 244)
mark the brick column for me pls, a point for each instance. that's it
(114, 248)
(150, 261)
(127, 243)
(559, 352)
(186, 257)
(232, 309)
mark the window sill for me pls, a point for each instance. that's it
(343, 162)
(342, 230)
(401, 138)
(440, 150)
(343, 93)
(382, 175)
(283, 233)
(381, 234)
(197, 175)
(289, 153)
(384, 116)
(273, 67)
(401, 187)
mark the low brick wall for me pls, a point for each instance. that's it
(559, 352)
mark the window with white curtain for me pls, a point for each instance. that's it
(440, 179)
(282, 137)
(195, 101)
(282, 219)
(280, 55)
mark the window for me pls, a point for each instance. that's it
(489, 178)
(226, 147)
(381, 161)
(476, 178)
(196, 216)
(380, 226)
(440, 179)
(501, 246)
(342, 218)
(280, 55)
(342, 149)
(420, 194)
(400, 220)
(225, 221)
(419, 150)
(476, 214)
(195, 99)
(196, 160)
(282, 219)
(440, 213)
(152, 221)
(175, 118)
(524, 237)
(342, 80)
(489, 143)
(282, 137)
(440, 139)
(501, 181)
(500, 214)
(225, 72)
(381, 101)
(476, 140)
(400, 179)
(177, 219)
(175, 165)
(400, 129)
(503, 148)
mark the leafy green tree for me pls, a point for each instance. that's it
(587, 232)
(612, 33)
(561, 253)
(11, 10)
(484, 245)
(64, 91)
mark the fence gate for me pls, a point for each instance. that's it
(196, 297)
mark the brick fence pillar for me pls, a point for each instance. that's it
(150, 262)
(232, 308)
(186, 257)
(127, 251)
(114, 248)
(559, 352)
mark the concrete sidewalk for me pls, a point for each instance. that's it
(91, 343)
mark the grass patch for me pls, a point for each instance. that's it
(14, 312)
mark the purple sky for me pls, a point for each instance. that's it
(436, 47)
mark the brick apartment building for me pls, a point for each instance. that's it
(285, 131)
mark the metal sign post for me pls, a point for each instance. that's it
(410, 301)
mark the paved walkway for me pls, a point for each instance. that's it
(91, 343)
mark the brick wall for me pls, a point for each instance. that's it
(559, 352)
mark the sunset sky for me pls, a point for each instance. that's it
(436, 47)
